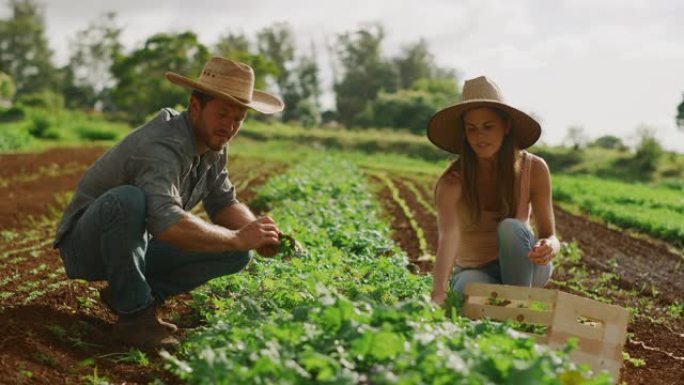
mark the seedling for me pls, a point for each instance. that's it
(289, 247)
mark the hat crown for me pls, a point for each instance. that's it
(481, 88)
(230, 77)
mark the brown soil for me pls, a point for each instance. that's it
(638, 264)
(55, 330)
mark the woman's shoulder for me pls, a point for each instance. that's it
(537, 164)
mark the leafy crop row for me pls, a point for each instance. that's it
(652, 210)
(345, 310)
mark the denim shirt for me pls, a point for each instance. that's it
(161, 158)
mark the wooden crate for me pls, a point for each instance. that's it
(600, 329)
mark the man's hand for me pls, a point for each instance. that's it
(268, 250)
(258, 234)
(541, 253)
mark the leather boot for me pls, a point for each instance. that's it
(143, 330)
(107, 298)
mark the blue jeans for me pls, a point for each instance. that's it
(512, 266)
(109, 242)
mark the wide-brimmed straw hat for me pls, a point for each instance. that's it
(445, 128)
(232, 81)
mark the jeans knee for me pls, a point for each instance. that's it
(132, 198)
(241, 259)
(123, 203)
(509, 226)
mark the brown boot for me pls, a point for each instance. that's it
(143, 330)
(107, 298)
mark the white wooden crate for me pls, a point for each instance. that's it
(600, 329)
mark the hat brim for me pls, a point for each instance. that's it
(261, 101)
(445, 128)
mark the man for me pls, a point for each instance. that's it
(129, 221)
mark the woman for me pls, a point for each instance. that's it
(484, 198)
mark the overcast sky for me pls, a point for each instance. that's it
(606, 65)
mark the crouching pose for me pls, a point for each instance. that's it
(129, 222)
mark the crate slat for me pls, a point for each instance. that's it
(510, 292)
(504, 313)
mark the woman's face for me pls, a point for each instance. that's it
(485, 131)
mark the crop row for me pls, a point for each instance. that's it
(651, 210)
(342, 308)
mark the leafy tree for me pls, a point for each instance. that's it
(302, 92)
(7, 88)
(276, 43)
(680, 115)
(609, 142)
(365, 73)
(415, 62)
(648, 151)
(141, 86)
(88, 75)
(24, 51)
(411, 108)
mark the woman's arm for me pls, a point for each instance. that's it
(542, 209)
(447, 195)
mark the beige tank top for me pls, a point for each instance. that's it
(478, 243)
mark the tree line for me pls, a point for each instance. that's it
(370, 88)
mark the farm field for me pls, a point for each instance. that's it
(56, 331)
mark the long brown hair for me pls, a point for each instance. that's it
(508, 167)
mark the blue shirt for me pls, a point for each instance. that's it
(161, 158)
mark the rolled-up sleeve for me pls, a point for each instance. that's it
(158, 174)
(221, 191)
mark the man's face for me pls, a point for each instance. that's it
(216, 123)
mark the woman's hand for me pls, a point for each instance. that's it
(542, 253)
(438, 296)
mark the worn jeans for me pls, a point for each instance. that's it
(512, 266)
(109, 242)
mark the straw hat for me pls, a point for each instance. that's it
(445, 128)
(231, 81)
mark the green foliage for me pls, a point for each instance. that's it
(88, 75)
(276, 43)
(94, 131)
(7, 87)
(26, 56)
(12, 114)
(648, 152)
(348, 311)
(141, 85)
(40, 124)
(657, 211)
(366, 73)
(406, 109)
(14, 138)
(49, 101)
(609, 142)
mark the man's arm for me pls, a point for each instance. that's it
(194, 234)
(234, 216)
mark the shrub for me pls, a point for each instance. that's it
(40, 123)
(12, 114)
(13, 139)
(95, 132)
(47, 100)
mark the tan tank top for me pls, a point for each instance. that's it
(478, 243)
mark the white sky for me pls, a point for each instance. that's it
(606, 65)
